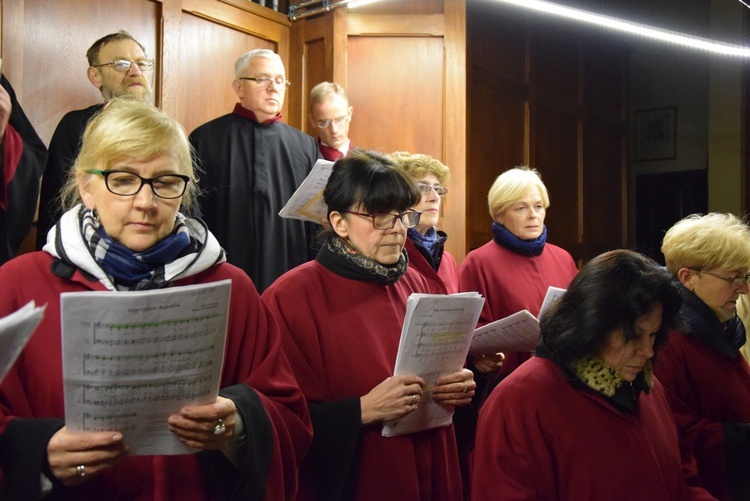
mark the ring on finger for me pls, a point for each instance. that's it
(466, 388)
(219, 428)
(81, 470)
(413, 400)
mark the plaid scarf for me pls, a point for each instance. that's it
(79, 240)
(341, 258)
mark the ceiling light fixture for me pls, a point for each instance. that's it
(638, 29)
(308, 8)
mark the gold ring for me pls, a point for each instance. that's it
(465, 387)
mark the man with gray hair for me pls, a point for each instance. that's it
(330, 115)
(118, 67)
(252, 163)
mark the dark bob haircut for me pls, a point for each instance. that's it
(610, 293)
(371, 181)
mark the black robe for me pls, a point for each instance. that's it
(22, 157)
(248, 171)
(63, 150)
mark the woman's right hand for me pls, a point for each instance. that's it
(395, 397)
(93, 451)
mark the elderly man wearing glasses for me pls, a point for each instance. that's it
(118, 67)
(330, 115)
(706, 377)
(252, 163)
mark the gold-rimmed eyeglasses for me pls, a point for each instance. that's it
(737, 282)
(425, 188)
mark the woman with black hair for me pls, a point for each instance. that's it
(584, 418)
(341, 317)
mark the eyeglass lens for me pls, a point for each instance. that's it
(127, 183)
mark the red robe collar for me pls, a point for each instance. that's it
(242, 111)
(330, 153)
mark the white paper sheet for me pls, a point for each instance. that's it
(131, 359)
(434, 341)
(517, 332)
(15, 331)
(307, 201)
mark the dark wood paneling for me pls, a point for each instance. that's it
(315, 51)
(555, 147)
(497, 131)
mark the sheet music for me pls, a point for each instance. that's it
(553, 294)
(517, 332)
(131, 359)
(307, 201)
(434, 341)
(15, 331)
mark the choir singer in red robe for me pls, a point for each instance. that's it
(341, 318)
(125, 233)
(585, 418)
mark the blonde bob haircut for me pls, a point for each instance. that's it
(511, 186)
(699, 242)
(127, 129)
(418, 166)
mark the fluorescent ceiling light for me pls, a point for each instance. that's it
(642, 30)
(359, 3)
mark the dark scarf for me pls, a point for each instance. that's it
(594, 375)
(505, 238)
(431, 240)
(704, 326)
(135, 270)
(341, 258)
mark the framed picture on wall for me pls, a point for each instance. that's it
(655, 135)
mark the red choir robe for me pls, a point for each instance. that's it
(540, 437)
(511, 282)
(710, 395)
(276, 420)
(341, 337)
(442, 281)
(332, 154)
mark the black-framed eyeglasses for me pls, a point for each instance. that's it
(123, 65)
(266, 81)
(127, 184)
(339, 122)
(380, 221)
(425, 188)
(737, 282)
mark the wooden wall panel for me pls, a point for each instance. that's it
(496, 122)
(397, 85)
(554, 136)
(315, 50)
(206, 95)
(49, 71)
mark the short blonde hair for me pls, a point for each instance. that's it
(323, 90)
(714, 240)
(511, 186)
(130, 129)
(418, 166)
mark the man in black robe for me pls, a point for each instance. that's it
(22, 157)
(109, 72)
(250, 166)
